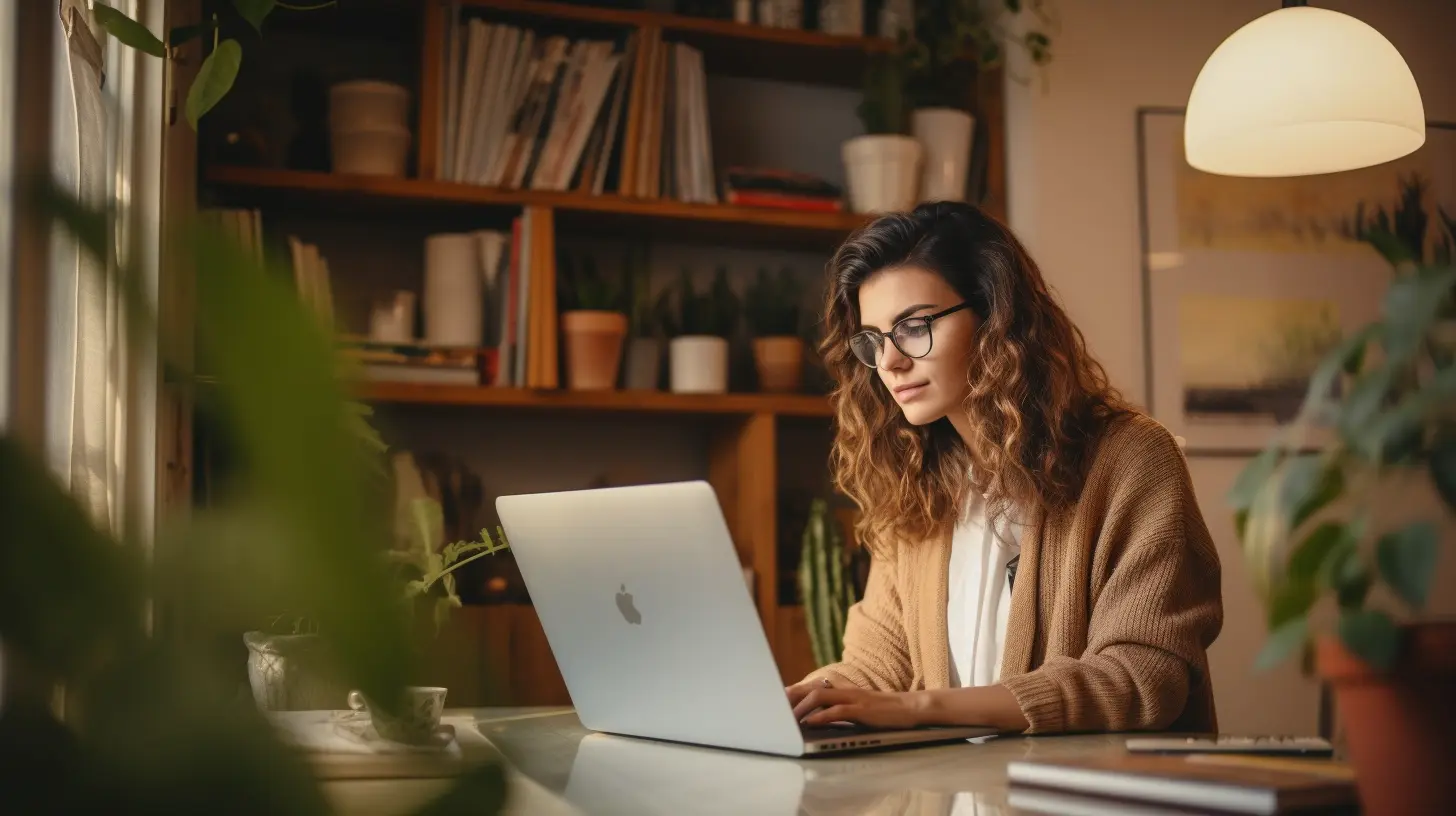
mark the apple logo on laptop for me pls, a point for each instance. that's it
(624, 605)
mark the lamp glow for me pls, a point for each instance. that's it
(1302, 91)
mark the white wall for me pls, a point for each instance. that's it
(1073, 199)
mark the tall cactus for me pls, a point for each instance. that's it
(826, 593)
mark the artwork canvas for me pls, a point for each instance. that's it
(1247, 282)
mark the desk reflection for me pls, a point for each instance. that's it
(624, 775)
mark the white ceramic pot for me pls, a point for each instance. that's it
(364, 104)
(883, 172)
(698, 364)
(453, 291)
(945, 135)
(376, 152)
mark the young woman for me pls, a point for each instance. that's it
(1039, 560)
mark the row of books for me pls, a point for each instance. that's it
(524, 111)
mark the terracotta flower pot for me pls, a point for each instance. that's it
(1400, 726)
(593, 348)
(780, 362)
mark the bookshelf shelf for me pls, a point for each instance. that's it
(756, 225)
(642, 402)
(736, 49)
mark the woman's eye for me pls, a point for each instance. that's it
(918, 328)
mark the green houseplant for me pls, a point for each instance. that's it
(698, 351)
(593, 325)
(826, 583)
(773, 311)
(882, 165)
(127, 637)
(1326, 553)
(644, 348)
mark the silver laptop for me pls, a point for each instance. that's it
(644, 604)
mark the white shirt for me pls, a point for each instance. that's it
(979, 596)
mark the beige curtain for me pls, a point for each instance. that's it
(87, 440)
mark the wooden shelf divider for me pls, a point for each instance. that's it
(642, 402)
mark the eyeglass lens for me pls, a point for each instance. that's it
(911, 337)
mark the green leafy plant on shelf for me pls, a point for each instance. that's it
(644, 319)
(826, 587)
(772, 304)
(1310, 522)
(936, 64)
(219, 70)
(125, 632)
(713, 313)
(582, 287)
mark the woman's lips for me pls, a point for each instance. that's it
(906, 393)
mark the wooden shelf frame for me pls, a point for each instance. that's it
(614, 401)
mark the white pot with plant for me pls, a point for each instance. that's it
(882, 167)
(1319, 534)
(952, 44)
(772, 309)
(698, 351)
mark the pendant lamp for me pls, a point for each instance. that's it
(1302, 91)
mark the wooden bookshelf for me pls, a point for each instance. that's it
(639, 402)
(734, 49)
(614, 214)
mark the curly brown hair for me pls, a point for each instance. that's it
(1037, 399)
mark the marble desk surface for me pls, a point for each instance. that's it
(558, 767)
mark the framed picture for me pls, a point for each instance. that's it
(1248, 282)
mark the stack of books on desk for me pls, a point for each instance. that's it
(413, 362)
(1149, 785)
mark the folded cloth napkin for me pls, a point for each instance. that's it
(352, 732)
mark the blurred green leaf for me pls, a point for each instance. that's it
(214, 79)
(1407, 561)
(1411, 305)
(1384, 433)
(255, 11)
(1371, 635)
(1283, 642)
(69, 594)
(1347, 357)
(1443, 469)
(479, 790)
(1310, 483)
(128, 31)
(1346, 574)
(1249, 482)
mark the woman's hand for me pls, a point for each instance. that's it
(817, 704)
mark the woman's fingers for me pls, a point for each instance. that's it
(832, 714)
(819, 698)
(798, 691)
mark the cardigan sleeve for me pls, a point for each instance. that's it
(876, 655)
(1155, 602)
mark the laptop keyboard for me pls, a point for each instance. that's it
(818, 732)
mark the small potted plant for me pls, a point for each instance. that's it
(953, 42)
(644, 349)
(593, 327)
(1318, 532)
(698, 351)
(882, 167)
(773, 316)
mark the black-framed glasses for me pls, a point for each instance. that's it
(911, 336)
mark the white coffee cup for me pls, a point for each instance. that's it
(417, 719)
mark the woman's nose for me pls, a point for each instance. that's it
(890, 357)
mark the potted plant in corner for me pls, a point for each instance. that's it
(698, 351)
(954, 40)
(593, 327)
(882, 167)
(644, 325)
(1318, 532)
(773, 316)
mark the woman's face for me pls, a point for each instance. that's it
(929, 387)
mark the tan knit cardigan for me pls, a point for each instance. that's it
(1114, 605)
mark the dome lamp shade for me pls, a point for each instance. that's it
(1302, 91)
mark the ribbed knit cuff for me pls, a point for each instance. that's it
(838, 674)
(1041, 701)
